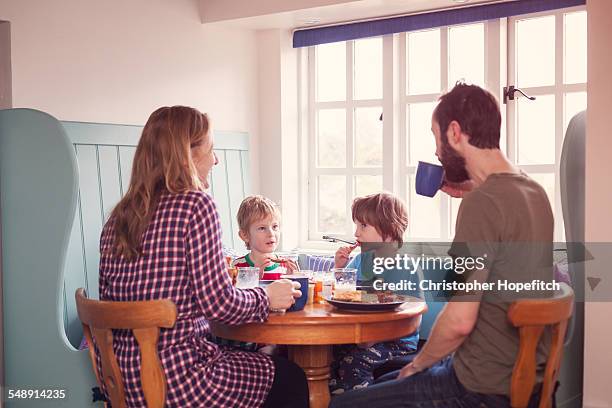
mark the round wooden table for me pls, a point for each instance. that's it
(310, 334)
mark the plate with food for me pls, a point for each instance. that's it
(362, 301)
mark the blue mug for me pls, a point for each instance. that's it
(429, 178)
(301, 301)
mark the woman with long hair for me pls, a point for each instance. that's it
(163, 241)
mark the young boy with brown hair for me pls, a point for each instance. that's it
(380, 222)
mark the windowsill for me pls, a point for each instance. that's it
(328, 248)
(318, 248)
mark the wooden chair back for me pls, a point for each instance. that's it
(532, 316)
(144, 319)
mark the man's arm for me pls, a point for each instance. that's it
(475, 235)
(452, 326)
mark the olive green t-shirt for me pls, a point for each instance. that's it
(509, 218)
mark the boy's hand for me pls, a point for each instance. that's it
(342, 256)
(263, 266)
(291, 266)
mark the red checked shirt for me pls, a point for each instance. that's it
(182, 261)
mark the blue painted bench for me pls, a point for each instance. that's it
(58, 182)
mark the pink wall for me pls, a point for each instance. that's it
(598, 331)
(219, 10)
(5, 65)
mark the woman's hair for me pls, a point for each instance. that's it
(255, 208)
(383, 211)
(162, 162)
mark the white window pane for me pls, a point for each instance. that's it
(424, 219)
(574, 102)
(536, 130)
(454, 206)
(421, 142)
(423, 62)
(368, 68)
(368, 137)
(466, 54)
(365, 185)
(575, 47)
(331, 138)
(330, 71)
(535, 44)
(332, 204)
(547, 181)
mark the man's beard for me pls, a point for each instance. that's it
(454, 165)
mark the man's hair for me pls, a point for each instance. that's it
(476, 111)
(383, 211)
(256, 208)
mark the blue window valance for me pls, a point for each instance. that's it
(353, 31)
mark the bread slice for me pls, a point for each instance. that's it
(348, 295)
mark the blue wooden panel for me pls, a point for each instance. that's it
(233, 168)
(128, 135)
(221, 194)
(211, 189)
(231, 141)
(91, 213)
(126, 158)
(37, 218)
(38, 199)
(74, 278)
(102, 133)
(245, 168)
(110, 182)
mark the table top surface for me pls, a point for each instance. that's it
(321, 314)
(324, 324)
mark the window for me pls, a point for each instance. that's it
(354, 153)
(547, 59)
(346, 107)
(454, 53)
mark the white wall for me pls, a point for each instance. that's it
(116, 61)
(268, 49)
(598, 228)
(278, 109)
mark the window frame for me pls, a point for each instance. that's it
(350, 170)
(558, 90)
(499, 71)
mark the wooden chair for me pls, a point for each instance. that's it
(144, 319)
(531, 316)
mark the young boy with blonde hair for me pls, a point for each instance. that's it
(259, 228)
(380, 223)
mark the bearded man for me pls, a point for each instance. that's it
(469, 356)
